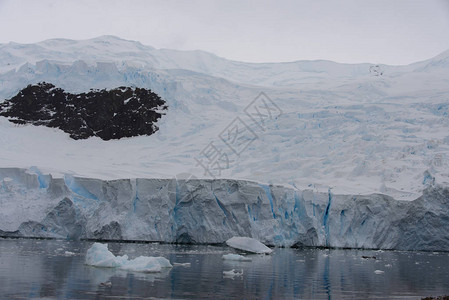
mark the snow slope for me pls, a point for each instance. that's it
(338, 126)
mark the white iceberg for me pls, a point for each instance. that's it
(107, 284)
(248, 244)
(99, 256)
(232, 273)
(187, 265)
(236, 257)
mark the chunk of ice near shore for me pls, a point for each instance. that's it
(99, 256)
(248, 244)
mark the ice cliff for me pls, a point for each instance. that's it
(212, 211)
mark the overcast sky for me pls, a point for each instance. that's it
(377, 31)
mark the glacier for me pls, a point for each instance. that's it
(343, 126)
(358, 156)
(212, 211)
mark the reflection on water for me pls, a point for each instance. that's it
(55, 269)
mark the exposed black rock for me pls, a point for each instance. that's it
(108, 114)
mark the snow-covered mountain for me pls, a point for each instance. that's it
(354, 128)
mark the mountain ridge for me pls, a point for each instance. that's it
(181, 59)
(109, 38)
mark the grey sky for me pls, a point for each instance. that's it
(378, 31)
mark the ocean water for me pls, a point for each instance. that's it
(53, 269)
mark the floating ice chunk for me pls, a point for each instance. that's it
(146, 264)
(248, 244)
(99, 256)
(181, 264)
(68, 253)
(379, 272)
(107, 284)
(232, 273)
(236, 257)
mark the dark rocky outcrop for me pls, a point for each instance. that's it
(108, 114)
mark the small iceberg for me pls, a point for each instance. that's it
(107, 284)
(99, 256)
(236, 257)
(187, 265)
(232, 273)
(248, 244)
(378, 272)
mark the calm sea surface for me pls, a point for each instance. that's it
(50, 269)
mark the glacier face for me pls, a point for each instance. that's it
(212, 211)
